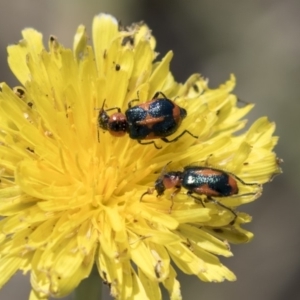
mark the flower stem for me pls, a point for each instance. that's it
(89, 288)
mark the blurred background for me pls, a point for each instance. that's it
(258, 41)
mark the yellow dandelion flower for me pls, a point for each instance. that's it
(74, 196)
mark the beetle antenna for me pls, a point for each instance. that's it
(149, 192)
(102, 108)
(163, 171)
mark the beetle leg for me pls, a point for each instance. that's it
(147, 143)
(117, 108)
(224, 206)
(149, 192)
(216, 202)
(190, 193)
(130, 102)
(243, 182)
(134, 100)
(246, 194)
(157, 94)
(179, 136)
(207, 159)
(178, 188)
(102, 108)
(172, 204)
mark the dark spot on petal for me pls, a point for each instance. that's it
(20, 92)
(52, 38)
(120, 26)
(29, 149)
(118, 67)
(128, 40)
(196, 88)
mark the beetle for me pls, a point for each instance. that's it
(155, 119)
(201, 180)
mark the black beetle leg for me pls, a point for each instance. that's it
(134, 100)
(243, 182)
(149, 192)
(224, 206)
(179, 136)
(146, 193)
(243, 195)
(105, 110)
(130, 102)
(112, 108)
(157, 94)
(218, 203)
(189, 193)
(147, 143)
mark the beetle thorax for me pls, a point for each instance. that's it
(172, 179)
(118, 125)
